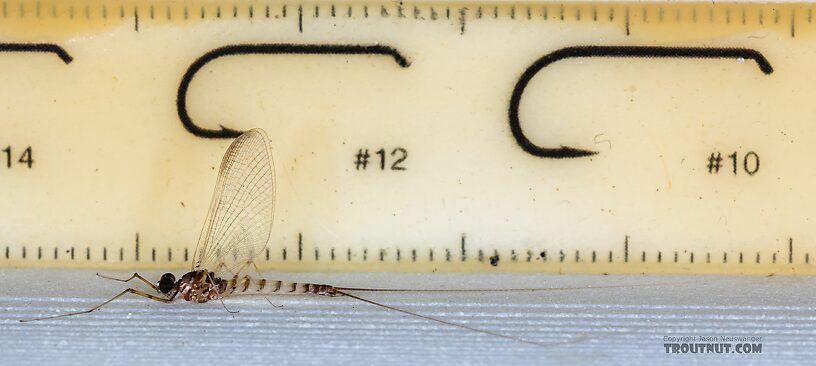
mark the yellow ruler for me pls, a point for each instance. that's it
(473, 136)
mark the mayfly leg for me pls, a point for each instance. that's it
(135, 275)
(129, 290)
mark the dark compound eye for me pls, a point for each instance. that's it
(167, 282)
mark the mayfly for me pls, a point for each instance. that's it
(236, 231)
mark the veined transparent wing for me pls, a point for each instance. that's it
(239, 222)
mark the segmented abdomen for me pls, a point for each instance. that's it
(249, 285)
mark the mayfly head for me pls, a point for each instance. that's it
(166, 283)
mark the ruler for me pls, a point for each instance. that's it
(427, 136)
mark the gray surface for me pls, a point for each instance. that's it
(591, 326)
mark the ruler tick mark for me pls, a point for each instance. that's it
(136, 19)
(169, 254)
(382, 255)
(121, 254)
(300, 246)
(790, 250)
(462, 20)
(626, 249)
(39, 253)
(757, 258)
(105, 254)
(413, 255)
(464, 252)
(153, 254)
(300, 18)
(561, 256)
(56, 253)
(24, 252)
(348, 255)
(481, 256)
(187, 259)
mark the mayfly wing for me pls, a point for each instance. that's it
(240, 218)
